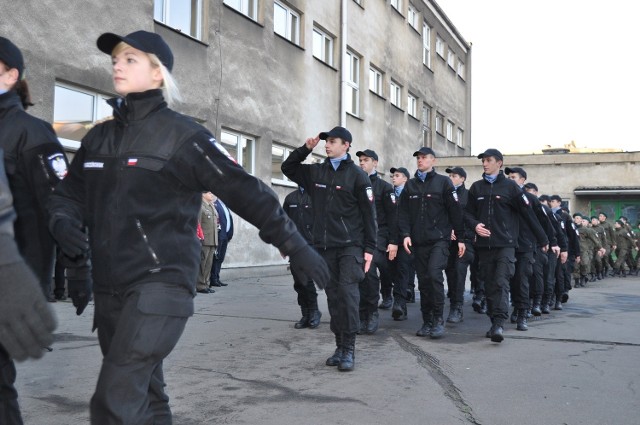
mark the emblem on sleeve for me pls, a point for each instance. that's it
(58, 165)
(222, 150)
(370, 194)
(525, 199)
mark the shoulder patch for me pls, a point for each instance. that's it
(455, 195)
(222, 150)
(393, 198)
(370, 193)
(58, 165)
(525, 199)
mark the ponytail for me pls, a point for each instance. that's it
(22, 88)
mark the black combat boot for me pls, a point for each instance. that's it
(337, 355)
(411, 296)
(314, 318)
(558, 305)
(455, 313)
(521, 320)
(576, 282)
(623, 273)
(477, 304)
(386, 303)
(495, 333)
(535, 307)
(593, 277)
(614, 272)
(399, 311)
(348, 360)
(437, 329)
(372, 323)
(427, 324)
(584, 281)
(304, 321)
(364, 322)
(514, 315)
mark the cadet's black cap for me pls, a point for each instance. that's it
(492, 152)
(620, 222)
(11, 56)
(578, 215)
(531, 186)
(593, 216)
(424, 151)
(543, 198)
(367, 152)
(340, 132)
(401, 170)
(518, 170)
(457, 170)
(604, 214)
(555, 198)
(148, 42)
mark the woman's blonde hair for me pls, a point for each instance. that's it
(169, 87)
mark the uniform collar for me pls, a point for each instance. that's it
(137, 106)
(9, 100)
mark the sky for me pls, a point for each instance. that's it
(549, 72)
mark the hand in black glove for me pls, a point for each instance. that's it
(80, 287)
(26, 319)
(309, 262)
(71, 236)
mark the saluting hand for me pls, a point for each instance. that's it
(312, 142)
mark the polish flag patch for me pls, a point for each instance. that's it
(132, 162)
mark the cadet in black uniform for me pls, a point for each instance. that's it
(385, 211)
(26, 320)
(297, 205)
(344, 230)
(136, 183)
(457, 267)
(429, 212)
(565, 269)
(34, 161)
(494, 206)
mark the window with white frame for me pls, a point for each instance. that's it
(439, 120)
(395, 94)
(397, 4)
(460, 69)
(279, 153)
(375, 81)
(426, 125)
(75, 112)
(439, 46)
(412, 17)
(460, 138)
(322, 46)
(449, 131)
(185, 16)
(286, 22)
(451, 59)
(241, 147)
(359, 2)
(246, 7)
(426, 44)
(412, 105)
(353, 83)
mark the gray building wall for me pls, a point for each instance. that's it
(243, 77)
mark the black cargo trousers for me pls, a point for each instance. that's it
(138, 326)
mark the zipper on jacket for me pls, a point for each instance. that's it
(346, 230)
(149, 248)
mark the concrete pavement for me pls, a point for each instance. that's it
(240, 361)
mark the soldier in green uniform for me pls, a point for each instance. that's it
(588, 243)
(624, 244)
(611, 241)
(597, 265)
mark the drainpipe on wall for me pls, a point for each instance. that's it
(344, 66)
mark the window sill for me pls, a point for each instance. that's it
(428, 68)
(178, 31)
(359, 4)
(398, 108)
(379, 96)
(398, 12)
(355, 116)
(414, 117)
(288, 41)
(237, 12)
(325, 63)
(414, 29)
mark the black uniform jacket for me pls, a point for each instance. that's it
(343, 203)
(497, 205)
(297, 205)
(429, 210)
(8, 249)
(35, 163)
(469, 235)
(385, 208)
(561, 236)
(571, 232)
(136, 181)
(526, 236)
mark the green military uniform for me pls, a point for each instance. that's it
(610, 232)
(624, 244)
(588, 243)
(597, 265)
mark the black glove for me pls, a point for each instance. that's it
(71, 236)
(309, 262)
(26, 319)
(80, 286)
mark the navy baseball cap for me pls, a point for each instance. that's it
(531, 186)
(519, 170)
(401, 170)
(457, 170)
(340, 132)
(148, 42)
(424, 151)
(11, 56)
(556, 198)
(369, 153)
(492, 152)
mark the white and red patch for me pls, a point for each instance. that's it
(370, 194)
(132, 162)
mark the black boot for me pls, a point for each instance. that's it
(576, 282)
(337, 355)
(558, 305)
(437, 330)
(386, 303)
(399, 312)
(535, 307)
(514, 315)
(544, 305)
(364, 323)
(455, 313)
(521, 320)
(372, 323)
(593, 277)
(304, 321)
(348, 360)
(427, 324)
(411, 296)
(495, 333)
(623, 273)
(583, 281)
(314, 318)
(477, 305)
(614, 272)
